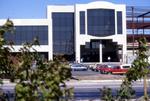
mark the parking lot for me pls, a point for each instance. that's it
(93, 75)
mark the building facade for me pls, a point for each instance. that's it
(25, 30)
(93, 32)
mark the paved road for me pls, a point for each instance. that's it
(84, 73)
(91, 82)
(93, 75)
(89, 89)
(86, 89)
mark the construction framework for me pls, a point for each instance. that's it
(138, 18)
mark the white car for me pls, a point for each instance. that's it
(78, 67)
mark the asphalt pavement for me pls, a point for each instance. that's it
(87, 90)
(87, 85)
(90, 89)
(93, 75)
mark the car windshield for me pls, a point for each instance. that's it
(116, 67)
(111, 65)
(76, 65)
(126, 66)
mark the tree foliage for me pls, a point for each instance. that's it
(138, 70)
(6, 67)
(126, 91)
(40, 81)
(107, 94)
(139, 67)
(36, 79)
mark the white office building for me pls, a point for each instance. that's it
(93, 32)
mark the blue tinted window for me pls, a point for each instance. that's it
(63, 33)
(24, 34)
(101, 22)
(119, 22)
(82, 22)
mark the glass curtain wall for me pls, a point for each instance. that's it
(82, 22)
(119, 22)
(63, 34)
(24, 34)
(101, 22)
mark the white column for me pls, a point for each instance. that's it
(50, 55)
(124, 53)
(50, 41)
(78, 53)
(50, 34)
(77, 34)
(100, 52)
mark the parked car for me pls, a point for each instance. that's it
(120, 69)
(95, 66)
(98, 67)
(106, 68)
(78, 67)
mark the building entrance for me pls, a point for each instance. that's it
(99, 51)
(110, 51)
(90, 51)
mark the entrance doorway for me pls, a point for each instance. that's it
(90, 52)
(110, 51)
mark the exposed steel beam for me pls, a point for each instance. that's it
(147, 16)
(138, 25)
(143, 15)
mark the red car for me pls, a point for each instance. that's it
(98, 67)
(105, 68)
(120, 69)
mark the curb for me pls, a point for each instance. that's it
(99, 81)
(6, 81)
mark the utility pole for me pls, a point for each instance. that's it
(133, 28)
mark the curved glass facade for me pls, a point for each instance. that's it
(24, 34)
(100, 22)
(63, 34)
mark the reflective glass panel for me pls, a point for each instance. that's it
(24, 34)
(63, 33)
(119, 22)
(82, 22)
(101, 22)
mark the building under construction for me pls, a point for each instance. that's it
(138, 24)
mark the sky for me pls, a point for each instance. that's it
(36, 9)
